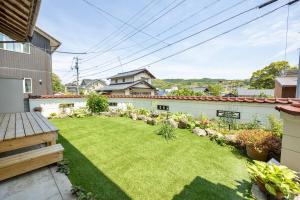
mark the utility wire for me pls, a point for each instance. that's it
(116, 18)
(174, 25)
(141, 29)
(177, 33)
(287, 31)
(117, 32)
(205, 41)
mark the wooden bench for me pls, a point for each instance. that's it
(24, 162)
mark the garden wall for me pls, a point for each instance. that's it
(247, 109)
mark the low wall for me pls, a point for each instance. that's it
(52, 105)
(248, 111)
(247, 108)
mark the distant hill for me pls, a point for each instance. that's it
(182, 83)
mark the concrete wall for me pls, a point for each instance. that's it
(52, 105)
(290, 152)
(247, 110)
(11, 95)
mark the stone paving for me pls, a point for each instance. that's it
(41, 184)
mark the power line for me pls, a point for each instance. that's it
(177, 33)
(116, 18)
(117, 32)
(139, 30)
(192, 35)
(212, 38)
(175, 25)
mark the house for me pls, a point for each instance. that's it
(71, 88)
(91, 85)
(136, 82)
(244, 92)
(201, 89)
(285, 86)
(26, 67)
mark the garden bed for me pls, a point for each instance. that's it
(118, 158)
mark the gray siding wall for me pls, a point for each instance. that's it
(40, 41)
(11, 97)
(36, 65)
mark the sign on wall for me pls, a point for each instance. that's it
(228, 114)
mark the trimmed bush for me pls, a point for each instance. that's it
(97, 103)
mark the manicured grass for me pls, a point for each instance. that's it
(118, 158)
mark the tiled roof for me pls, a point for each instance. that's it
(213, 98)
(131, 73)
(55, 96)
(293, 109)
(123, 86)
(192, 98)
(287, 81)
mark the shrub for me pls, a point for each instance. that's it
(81, 194)
(80, 113)
(275, 126)
(143, 111)
(204, 122)
(166, 131)
(261, 140)
(275, 179)
(254, 124)
(97, 103)
(52, 115)
(63, 167)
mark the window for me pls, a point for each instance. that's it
(27, 85)
(162, 107)
(113, 104)
(123, 80)
(116, 80)
(17, 47)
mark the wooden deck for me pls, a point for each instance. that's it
(30, 129)
(19, 130)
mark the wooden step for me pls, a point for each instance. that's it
(24, 162)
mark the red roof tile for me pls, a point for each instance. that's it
(293, 109)
(191, 98)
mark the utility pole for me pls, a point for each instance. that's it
(298, 81)
(77, 74)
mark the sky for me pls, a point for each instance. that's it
(116, 32)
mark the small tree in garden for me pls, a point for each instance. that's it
(97, 103)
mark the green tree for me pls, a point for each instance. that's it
(215, 89)
(265, 78)
(186, 92)
(57, 86)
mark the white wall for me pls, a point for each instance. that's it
(290, 151)
(248, 110)
(51, 105)
(209, 108)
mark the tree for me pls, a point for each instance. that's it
(215, 89)
(57, 86)
(185, 92)
(265, 78)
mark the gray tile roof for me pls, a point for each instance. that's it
(287, 81)
(131, 73)
(123, 86)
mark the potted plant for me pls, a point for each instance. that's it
(256, 143)
(278, 181)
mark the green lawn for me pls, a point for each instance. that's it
(118, 158)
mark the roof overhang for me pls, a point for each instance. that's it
(54, 43)
(18, 18)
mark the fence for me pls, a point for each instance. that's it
(244, 109)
